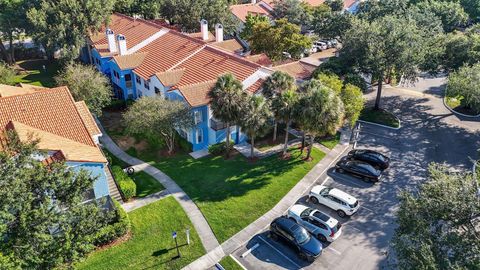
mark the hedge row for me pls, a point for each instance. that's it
(120, 226)
(218, 148)
(126, 184)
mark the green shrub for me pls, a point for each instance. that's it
(218, 148)
(183, 144)
(357, 80)
(126, 184)
(335, 65)
(118, 228)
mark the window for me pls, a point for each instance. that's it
(157, 91)
(137, 79)
(199, 135)
(128, 80)
(146, 83)
(116, 75)
(198, 117)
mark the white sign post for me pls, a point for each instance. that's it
(188, 235)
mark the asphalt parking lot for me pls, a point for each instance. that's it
(364, 243)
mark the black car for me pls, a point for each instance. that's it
(308, 247)
(358, 168)
(373, 158)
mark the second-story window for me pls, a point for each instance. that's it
(137, 78)
(198, 117)
(128, 80)
(157, 91)
(146, 83)
(199, 135)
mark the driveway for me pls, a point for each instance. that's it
(429, 133)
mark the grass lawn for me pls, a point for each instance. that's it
(380, 117)
(232, 193)
(146, 184)
(151, 245)
(330, 141)
(31, 72)
(229, 264)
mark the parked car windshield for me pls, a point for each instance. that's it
(306, 212)
(367, 168)
(325, 191)
(300, 235)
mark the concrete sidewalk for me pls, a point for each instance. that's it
(137, 203)
(204, 231)
(261, 223)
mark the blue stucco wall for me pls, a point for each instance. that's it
(100, 186)
(104, 66)
(120, 82)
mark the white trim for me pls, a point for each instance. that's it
(261, 73)
(186, 58)
(148, 40)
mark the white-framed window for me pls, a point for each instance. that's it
(198, 117)
(137, 78)
(199, 135)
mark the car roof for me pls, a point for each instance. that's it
(298, 209)
(316, 189)
(284, 222)
(342, 196)
(326, 219)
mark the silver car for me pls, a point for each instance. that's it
(321, 225)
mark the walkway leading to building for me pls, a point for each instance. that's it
(207, 237)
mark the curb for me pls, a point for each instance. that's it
(380, 125)
(444, 100)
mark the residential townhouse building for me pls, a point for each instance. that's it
(65, 129)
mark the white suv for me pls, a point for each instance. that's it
(322, 226)
(335, 199)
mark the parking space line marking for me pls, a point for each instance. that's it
(281, 253)
(235, 259)
(362, 206)
(334, 251)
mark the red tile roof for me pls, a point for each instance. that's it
(51, 110)
(299, 70)
(167, 51)
(241, 11)
(348, 3)
(261, 59)
(134, 30)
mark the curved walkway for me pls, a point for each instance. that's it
(204, 231)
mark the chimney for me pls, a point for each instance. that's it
(112, 45)
(204, 29)
(219, 32)
(122, 44)
(254, 1)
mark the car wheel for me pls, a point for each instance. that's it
(310, 259)
(322, 237)
(314, 200)
(273, 236)
(341, 213)
(302, 255)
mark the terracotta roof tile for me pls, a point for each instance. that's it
(71, 150)
(314, 3)
(87, 118)
(171, 48)
(170, 78)
(348, 3)
(241, 11)
(197, 94)
(230, 45)
(298, 70)
(50, 110)
(261, 59)
(130, 61)
(134, 30)
(210, 63)
(199, 36)
(256, 86)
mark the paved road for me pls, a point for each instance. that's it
(429, 133)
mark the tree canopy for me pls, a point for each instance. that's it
(293, 11)
(254, 120)
(87, 84)
(12, 23)
(6, 75)
(153, 116)
(464, 84)
(436, 224)
(43, 223)
(278, 38)
(64, 24)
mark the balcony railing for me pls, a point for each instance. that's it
(217, 125)
(129, 84)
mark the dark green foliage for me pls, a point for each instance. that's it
(436, 223)
(218, 148)
(126, 184)
(335, 65)
(7, 75)
(119, 226)
(357, 80)
(184, 145)
(43, 208)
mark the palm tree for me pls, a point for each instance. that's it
(284, 106)
(226, 101)
(255, 119)
(320, 111)
(277, 83)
